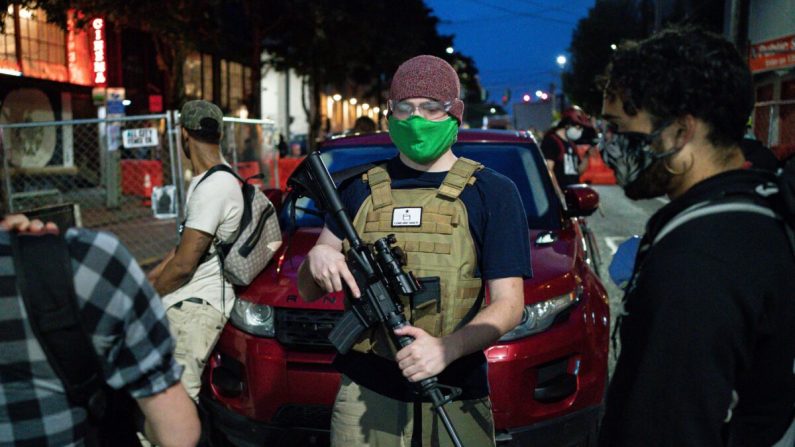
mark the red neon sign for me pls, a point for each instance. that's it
(98, 50)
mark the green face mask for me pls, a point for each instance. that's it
(422, 140)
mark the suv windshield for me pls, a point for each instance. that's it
(519, 162)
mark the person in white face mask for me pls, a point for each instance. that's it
(558, 146)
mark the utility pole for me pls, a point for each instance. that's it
(731, 21)
(658, 13)
(287, 106)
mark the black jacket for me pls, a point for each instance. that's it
(711, 309)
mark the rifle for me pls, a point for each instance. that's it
(378, 271)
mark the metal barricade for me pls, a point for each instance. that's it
(248, 145)
(126, 175)
(107, 167)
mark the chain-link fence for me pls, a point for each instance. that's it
(108, 167)
(126, 175)
(248, 145)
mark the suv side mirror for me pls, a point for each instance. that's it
(276, 197)
(581, 200)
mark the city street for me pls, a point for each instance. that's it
(439, 267)
(617, 219)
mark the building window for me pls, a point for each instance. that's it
(41, 41)
(224, 84)
(248, 89)
(8, 45)
(192, 76)
(197, 73)
(235, 86)
(207, 77)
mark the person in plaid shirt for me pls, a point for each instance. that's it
(127, 323)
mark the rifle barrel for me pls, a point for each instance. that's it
(332, 199)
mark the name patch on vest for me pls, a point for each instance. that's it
(407, 217)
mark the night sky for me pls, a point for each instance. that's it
(514, 43)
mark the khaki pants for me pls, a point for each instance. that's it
(196, 328)
(364, 418)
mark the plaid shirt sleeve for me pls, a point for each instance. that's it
(123, 313)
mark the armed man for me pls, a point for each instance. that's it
(467, 231)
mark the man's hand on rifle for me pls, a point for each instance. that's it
(426, 356)
(329, 269)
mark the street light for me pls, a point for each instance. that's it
(561, 60)
(449, 50)
(352, 101)
(492, 110)
(613, 46)
(336, 97)
(526, 97)
(539, 93)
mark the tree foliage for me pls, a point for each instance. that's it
(177, 27)
(334, 44)
(356, 42)
(608, 23)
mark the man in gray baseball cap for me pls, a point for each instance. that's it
(202, 120)
(197, 297)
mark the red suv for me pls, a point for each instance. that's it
(269, 380)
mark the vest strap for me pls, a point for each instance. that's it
(379, 182)
(460, 175)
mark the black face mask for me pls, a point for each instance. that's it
(638, 168)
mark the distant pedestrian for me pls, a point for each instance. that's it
(559, 148)
(282, 145)
(708, 329)
(197, 296)
(363, 124)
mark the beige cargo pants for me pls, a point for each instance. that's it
(196, 328)
(364, 418)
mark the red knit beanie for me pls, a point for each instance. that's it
(428, 77)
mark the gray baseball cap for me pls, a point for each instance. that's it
(202, 116)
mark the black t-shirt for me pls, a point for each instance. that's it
(566, 160)
(498, 225)
(711, 310)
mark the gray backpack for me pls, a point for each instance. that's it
(257, 238)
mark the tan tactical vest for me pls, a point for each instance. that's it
(432, 228)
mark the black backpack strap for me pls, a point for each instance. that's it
(222, 248)
(44, 277)
(710, 208)
(216, 168)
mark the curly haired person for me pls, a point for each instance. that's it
(708, 329)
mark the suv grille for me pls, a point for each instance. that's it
(305, 328)
(303, 416)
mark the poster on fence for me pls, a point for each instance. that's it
(164, 203)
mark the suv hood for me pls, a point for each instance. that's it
(553, 272)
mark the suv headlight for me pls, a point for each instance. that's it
(539, 317)
(256, 319)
